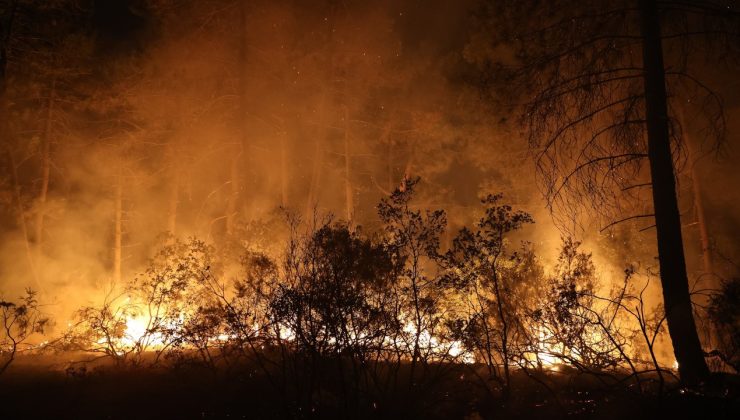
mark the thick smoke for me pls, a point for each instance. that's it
(204, 118)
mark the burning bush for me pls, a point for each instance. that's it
(345, 313)
(491, 288)
(333, 298)
(20, 320)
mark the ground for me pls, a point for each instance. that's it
(32, 390)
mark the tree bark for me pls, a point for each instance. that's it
(45, 170)
(679, 315)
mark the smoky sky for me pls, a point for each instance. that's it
(119, 28)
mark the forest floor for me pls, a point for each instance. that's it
(44, 389)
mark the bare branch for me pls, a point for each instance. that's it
(639, 216)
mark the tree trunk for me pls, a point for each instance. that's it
(3, 66)
(241, 149)
(706, 248)
(318, 158)
(45, 170)
(247, 162)
(6, 34)
(324, 120)
(504, 332)
(283, 135)
(390, 171)
(408, 168)
(22, 218)
(710, 336)
(174, 201)
(118, 227)
(701, 219)
(348, 190)
(234, 192)
(679, 315)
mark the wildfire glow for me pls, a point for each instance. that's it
(545, 352)
(136, 329)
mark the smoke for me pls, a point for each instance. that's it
(209, 116)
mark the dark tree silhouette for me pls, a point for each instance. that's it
(482, 265)
(595, 80)
(20, 320)
(413, 238)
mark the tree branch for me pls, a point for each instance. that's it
(639, 216)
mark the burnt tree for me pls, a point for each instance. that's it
(595, 85)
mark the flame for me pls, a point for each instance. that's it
(453, 348)
(136, 329)
(140, 335)
(544, 353)
(286, 333)
(137, 334)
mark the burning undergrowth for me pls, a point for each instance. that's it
(359, 313)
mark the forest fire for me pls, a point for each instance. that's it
(369, 209)
(136, 333)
